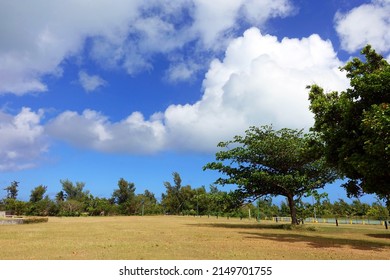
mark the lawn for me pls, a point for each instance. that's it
(173, 237)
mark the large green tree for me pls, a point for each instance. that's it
(355, 125)
(269, 162)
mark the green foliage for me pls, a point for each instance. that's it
(284, 210)
(37, 193)
(60, 196)
(213, 200)
(96, 206)
(197, 201)
(71, 200)
(378, 211)
(269, 162)
(70, 208)
(359, 209)
(124, 197)
(17, 207)
(267, 209)
(355, 125)
(34, 220)
(12, 190)
(42, 207)
(175, 197)
(72, 191)
(342, 208)
(146, 204)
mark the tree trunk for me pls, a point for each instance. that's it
(293, 210)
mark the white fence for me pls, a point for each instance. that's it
(351, 221)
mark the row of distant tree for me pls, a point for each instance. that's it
(178, 199)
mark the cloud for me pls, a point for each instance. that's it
(38, 36)
(261, 80)
(182, 71)
(214, 20)
(92, 130)
(90, 82)
(22, 140)
(366, 24)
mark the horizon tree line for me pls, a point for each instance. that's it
(178, 199)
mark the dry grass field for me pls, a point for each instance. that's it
(185, 238)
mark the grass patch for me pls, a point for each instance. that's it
(172, 237)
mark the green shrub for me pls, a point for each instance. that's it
(33, 220)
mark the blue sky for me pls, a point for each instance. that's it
(141, 89)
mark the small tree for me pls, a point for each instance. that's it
(124, 196)
(269, 162)
(72, 199)
(266, 208)
(37, 194)
(174, 198)
(73, 191)
(378, 211)
(342, 208)
(12, 190)
(146, 204)
(60, 197)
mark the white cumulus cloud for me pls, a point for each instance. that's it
(38, 36)
(261, 80)
(22, 140)
(366, 24)
(93, 130)
(90, 82)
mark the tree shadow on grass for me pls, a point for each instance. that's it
(317, 241)
(380, 235)
(247, 226)
(304, 234)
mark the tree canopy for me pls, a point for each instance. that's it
(124, 196)
(71, 191)
(38, 193)
(12, 190)
(354, 125)
(174, 198)
(269, 162)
